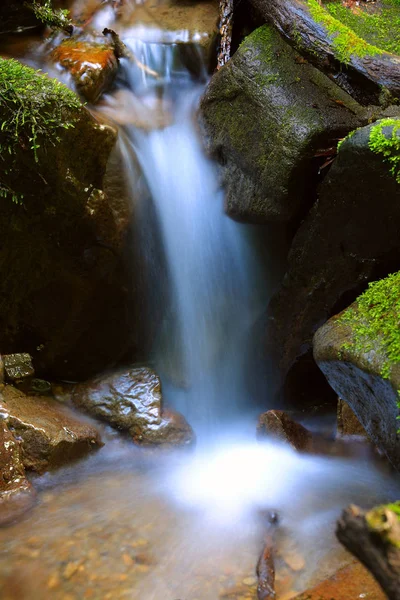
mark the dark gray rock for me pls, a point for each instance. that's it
(350, 237)
(265, 114)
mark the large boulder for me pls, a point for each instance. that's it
(131, 401)
(265, 115)
(63, 278)
(350, 236)
(16, 493)
(50, 434)
(359, 353)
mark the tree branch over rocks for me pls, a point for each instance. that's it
(225, 28)
(334, 48)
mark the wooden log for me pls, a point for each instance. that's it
(374, 538)
(364, 76)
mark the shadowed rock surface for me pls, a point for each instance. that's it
(16, 493)
(265, 114)
(278, 425)
(51, 434)
(350, 234)
(131, 401)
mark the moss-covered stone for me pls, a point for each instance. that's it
(62, 283)
(384, 140)
(265, 114)
(359, 353)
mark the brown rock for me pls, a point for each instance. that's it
(131, 400)
(16, 493)
(277, 424)
(92, 65)
(50, 433)
(351, 583)
(347, 422)
(2, 373)
(18, 366)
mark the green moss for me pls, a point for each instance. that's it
(346, 42)
(54, 18)
(378, 522)
(380, 28)
(33, 108)
(348, 136)
(387, 143)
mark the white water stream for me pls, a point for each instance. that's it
(202, 513)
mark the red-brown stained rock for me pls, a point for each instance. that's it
(16, 493)
(50, 434)
(92, 66)
(351, 583)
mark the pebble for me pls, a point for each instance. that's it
(70, 570)
(250, 581)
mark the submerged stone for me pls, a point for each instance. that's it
(16, 493)
(347, 422)
(50, 434)
(265, 115)
(131, 401)
(91, 64)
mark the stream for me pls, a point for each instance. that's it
(131, 523)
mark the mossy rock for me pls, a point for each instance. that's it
(62, 274)
(350, 237)
(359, 353)
(265, 115)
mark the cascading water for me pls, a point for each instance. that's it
(187, 526)
(214, 275)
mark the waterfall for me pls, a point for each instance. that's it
(215, 287)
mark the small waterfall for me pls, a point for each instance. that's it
(204, 344)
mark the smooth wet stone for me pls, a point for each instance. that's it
(351, 583)
(18, 366)
(276, 424)
(50, 434)
(92, 65)
(131, 400)
(16, 493)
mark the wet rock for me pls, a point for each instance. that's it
(91, 64)
(350, 234)
(131, 401)
(350, 583)
(16, 493)
(63, 271)
(347, 422)
(265, 115)
(2, 373)
(362, 376)
(18, 366)
(50, 434)
(277, 424)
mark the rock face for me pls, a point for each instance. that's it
(131, 401)
(276, 424)
(16, 493)
(350, 234)
(265, 115)
(63, 276)
(91, 64)
(50, 434)
(358, 355)
(18, 366)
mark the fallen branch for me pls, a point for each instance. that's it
(266, 571)
(364, 76)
